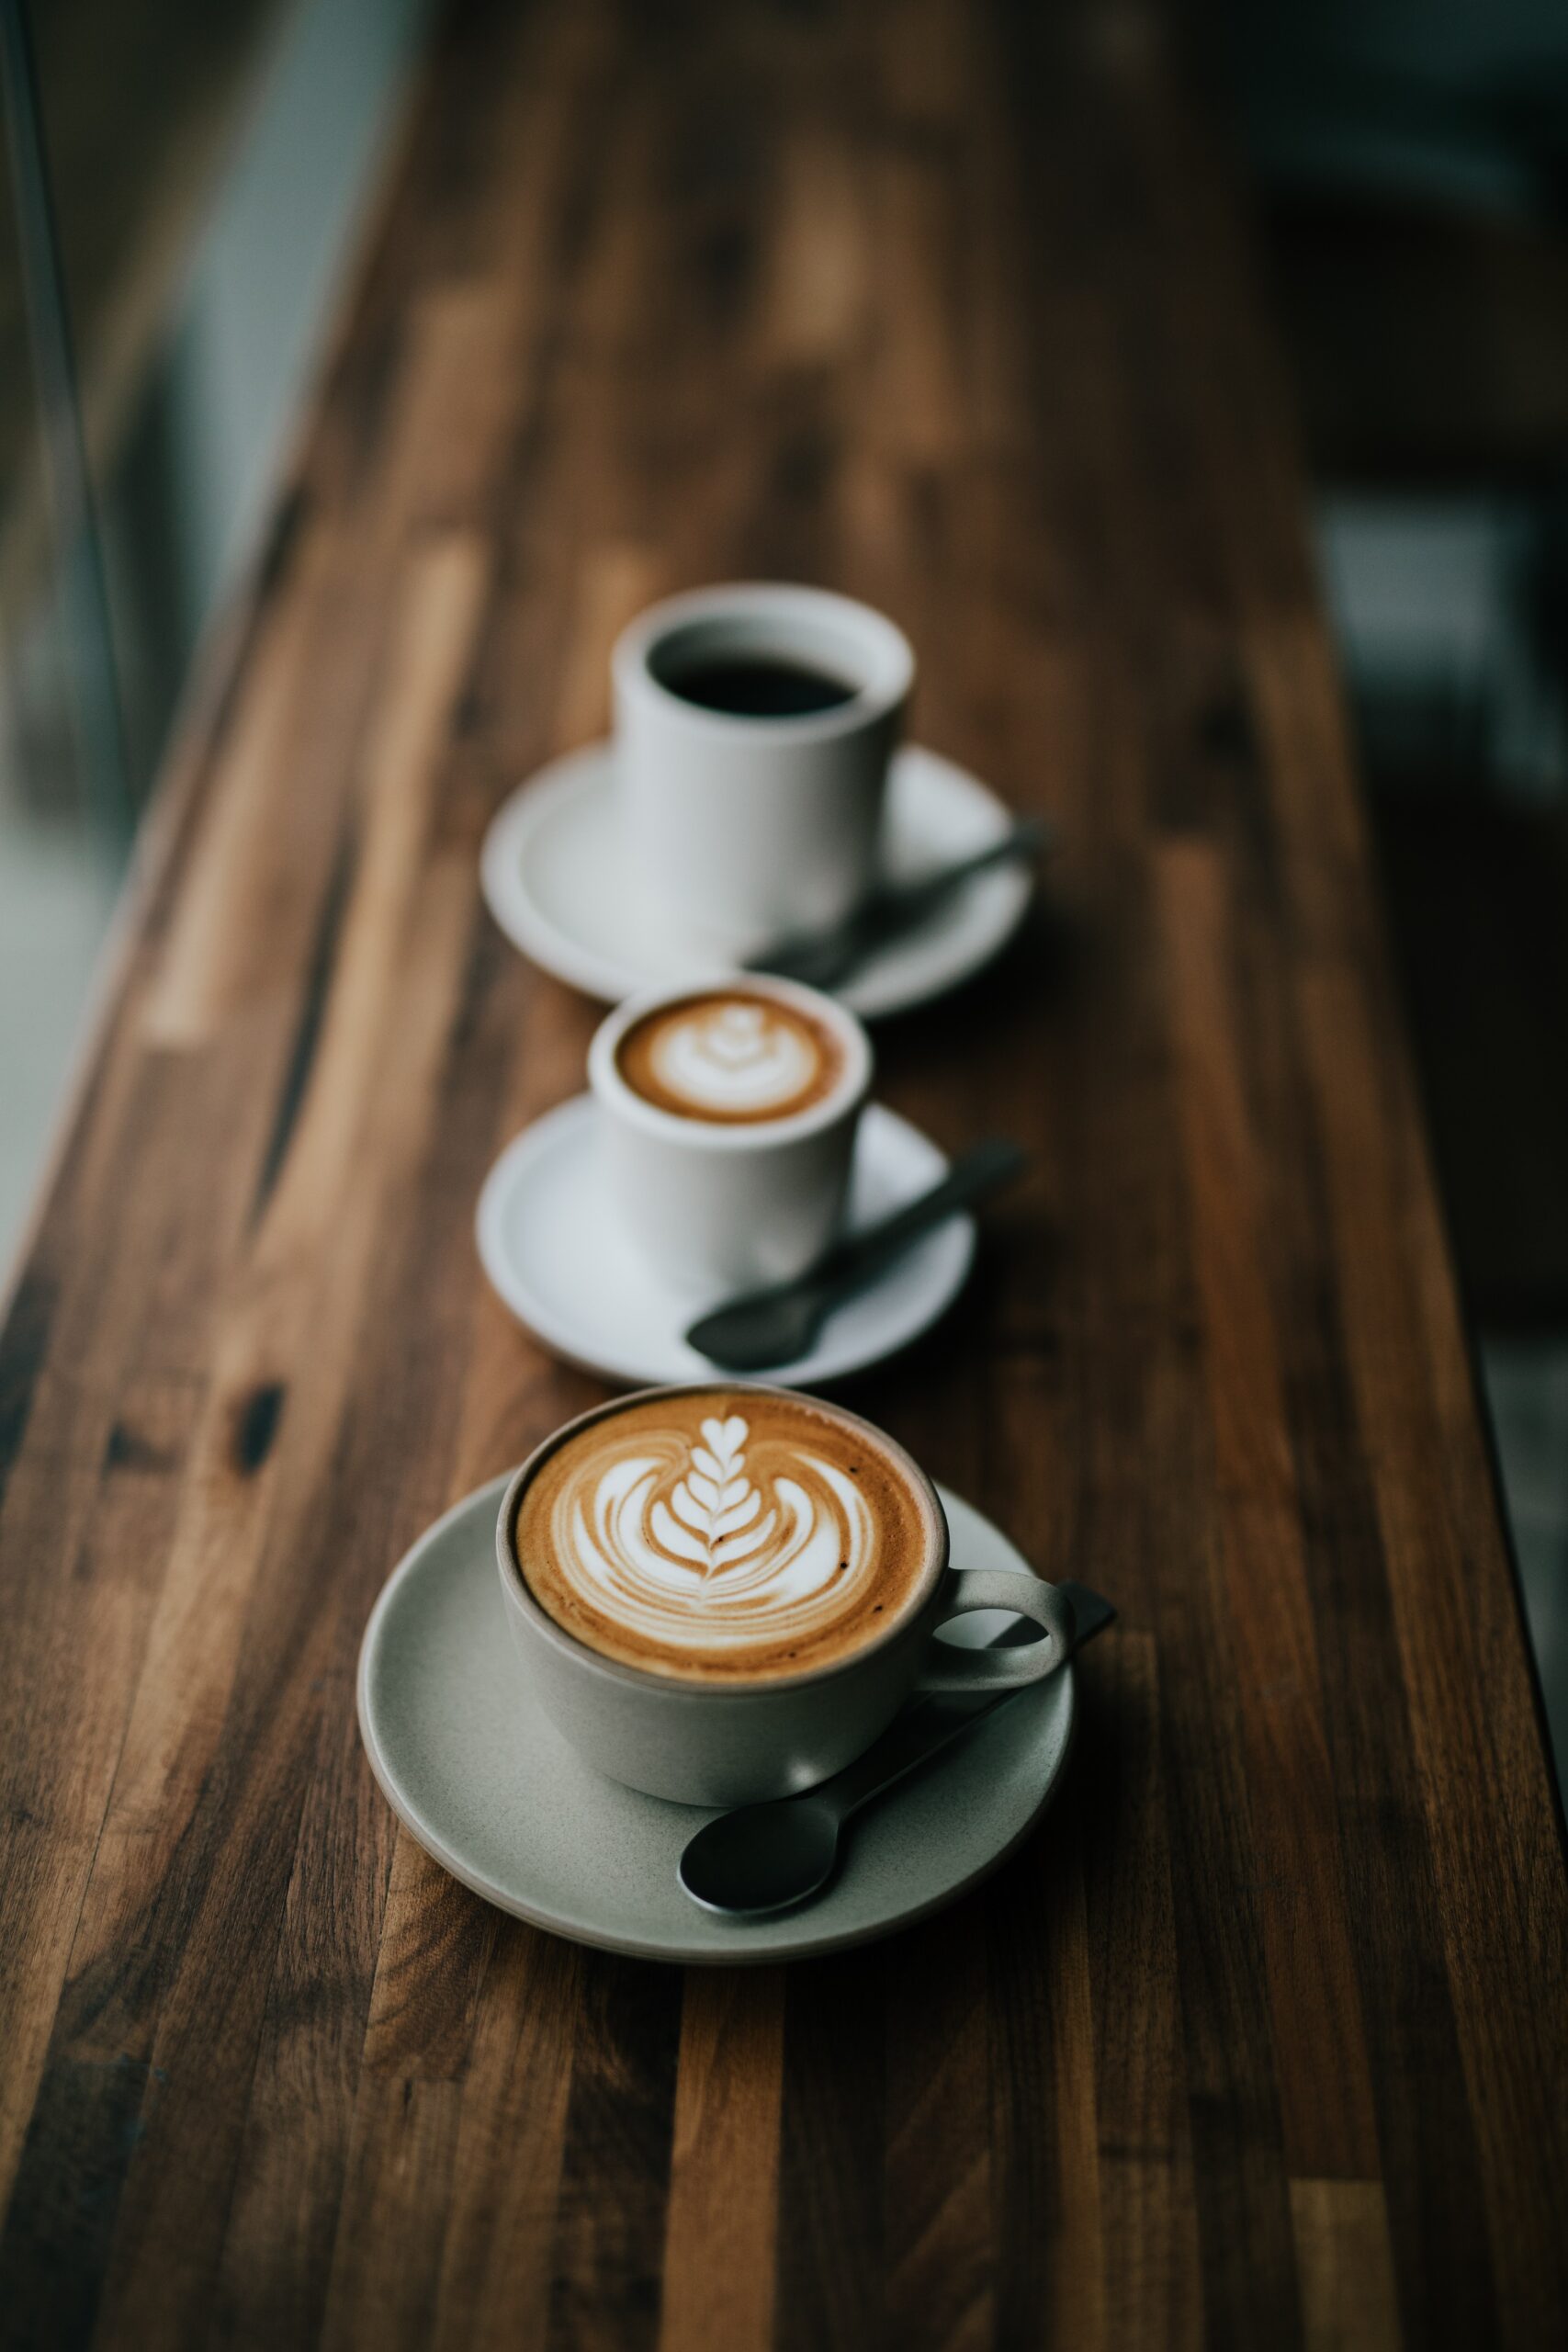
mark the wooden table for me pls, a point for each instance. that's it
(1259, 2040)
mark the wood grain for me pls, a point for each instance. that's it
(1260, 2040)
(722, 2219)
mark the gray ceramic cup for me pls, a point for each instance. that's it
(717, 1744)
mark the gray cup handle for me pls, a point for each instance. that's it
(1009, 1667)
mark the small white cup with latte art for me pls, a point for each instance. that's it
(729, 1111)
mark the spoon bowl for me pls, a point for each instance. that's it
(763, 1857)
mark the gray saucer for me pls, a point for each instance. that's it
(491, 1789)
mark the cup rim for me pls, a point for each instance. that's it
(644, 1678)
(630, 659)
(613, 1093)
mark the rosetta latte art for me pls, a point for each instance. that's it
(735, 1057)
(691, 1543)
(726, 1534)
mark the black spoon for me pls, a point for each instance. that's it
(775, 1325)
(766, 1858)
(823, 958)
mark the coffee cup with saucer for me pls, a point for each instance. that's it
(756, 787)
(481, 1780)
(726, 1140)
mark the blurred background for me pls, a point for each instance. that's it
(182, 190)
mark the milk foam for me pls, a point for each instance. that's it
(734, 1054)
(681, 1542)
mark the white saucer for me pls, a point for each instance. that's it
(486, 1785)
(556, 1255)
(555, 880)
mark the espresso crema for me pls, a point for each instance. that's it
(730, 1056)
(724, 1535)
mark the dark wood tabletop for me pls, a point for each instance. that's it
(1259, 2039)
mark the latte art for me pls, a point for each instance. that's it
(737, 1057)
(729, 1057)
(701, 1559)
(705, 1535)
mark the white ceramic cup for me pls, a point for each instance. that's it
(730, 1206)
(721, 1744)
(746, 829)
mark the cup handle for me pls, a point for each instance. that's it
(950, 1670)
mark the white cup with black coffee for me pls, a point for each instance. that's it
(723, 1593)
(729, 1111)
(754, 726)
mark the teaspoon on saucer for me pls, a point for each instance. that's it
(762, 1859)
(822, 959)
(776, 1326)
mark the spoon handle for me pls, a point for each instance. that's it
(907, 1741)
(727, 1334)
(826, 956)
(1024, 840)
(931, 1723)
(982, 1170)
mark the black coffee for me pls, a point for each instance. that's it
(755, 687)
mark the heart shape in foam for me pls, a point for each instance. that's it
(738, 1034)
(715, 1500)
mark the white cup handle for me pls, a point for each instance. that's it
(951, 1670)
